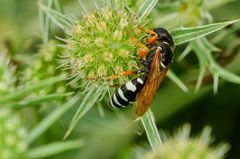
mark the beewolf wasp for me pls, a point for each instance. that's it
(156, 58)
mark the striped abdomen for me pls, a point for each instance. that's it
(127, 93)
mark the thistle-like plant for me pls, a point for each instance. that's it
(13, 143)
(103, 43)
(182, 146)
(44, 65)
(15, 140)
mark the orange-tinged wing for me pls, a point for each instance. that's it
(145, 96)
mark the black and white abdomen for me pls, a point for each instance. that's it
(127, 93)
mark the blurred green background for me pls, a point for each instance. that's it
(107, 138)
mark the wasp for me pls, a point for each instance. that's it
(156, 58)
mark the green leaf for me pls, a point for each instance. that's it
(184, 35)
(176, 80)
(146, 8)
(210, 46)
(151, 129)
(51, 118)
(186, 51)
(225, 74)
(54, 148)
(89, 100)
(207, 61)
(45, 21)
(21, 92)
(215, 83)
(61, 20)
(39, 100)
(58, 6)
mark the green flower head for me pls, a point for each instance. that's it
(181, 146)
(103, 44)
(13, 143)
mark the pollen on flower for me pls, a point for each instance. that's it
(101, 26)
(102, 71)
(89, 19)
(76, 29)
(123, 23)
(118, 69)
(138, 30)
(99, 41)
(71, 45)
(107, 56)
(78, 65)
(107, 14)
(132, 65)
(91, 76)
(84, 42)
(123, 53)
(88, 58)
(117, 35)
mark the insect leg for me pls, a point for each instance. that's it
(143, 52)
(126, 73)
(153, 37)
(149, 31)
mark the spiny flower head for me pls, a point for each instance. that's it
(44, 66)
(102, 44)
(181, 146)
(13, 136)
(185, 13)
(190, 12)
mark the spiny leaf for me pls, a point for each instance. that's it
(146, 8)
(151, 129)
(39, 100)
(51, 118)
(45, 22)
(215, 83)
(184, 35)
(61, 20)
(89, 100)
(21, 92)
(210, 46)
(176, 80)
(225, 74)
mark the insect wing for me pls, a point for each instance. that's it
(145, 96)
